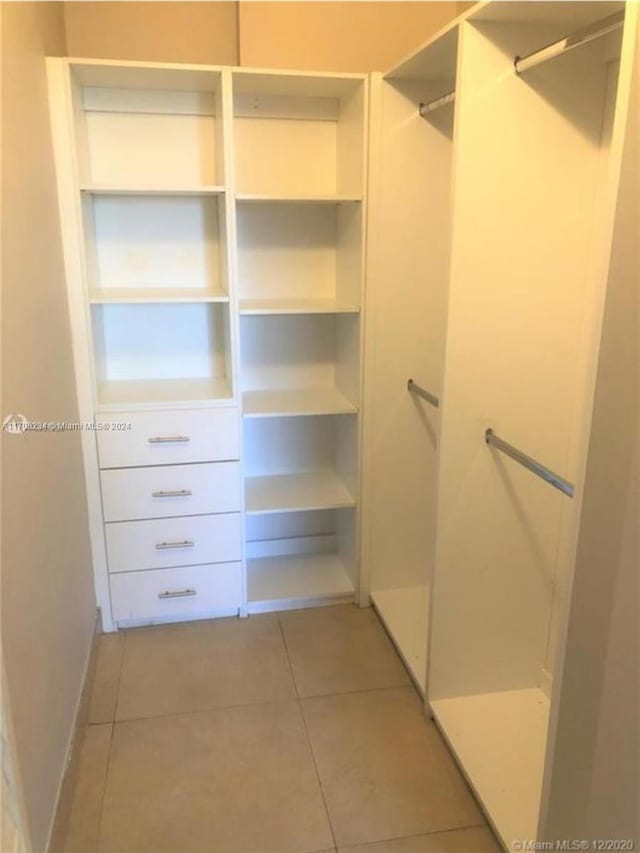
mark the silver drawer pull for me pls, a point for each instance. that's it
(176, 493)
(179, 593)
(169, 439)
(165, 546)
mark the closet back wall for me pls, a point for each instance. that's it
(316, 36)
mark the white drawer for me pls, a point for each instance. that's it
(169, 437)
(176, 593)
(132, 493)
(158, 544)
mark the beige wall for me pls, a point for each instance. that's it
(48, 608)
(332, 36)
(164, 32)
(327, 36)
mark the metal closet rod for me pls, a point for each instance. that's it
(430, 106)
(419, 391)
(536, 468)
(583, 36)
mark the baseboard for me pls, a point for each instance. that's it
(64, 799)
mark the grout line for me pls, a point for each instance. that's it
(211, 710)
(104, 789)
(357, 690)
(119, 685)
(110, 752)
(288, 656)
(308, 736)
(429, 833)
(320, 785)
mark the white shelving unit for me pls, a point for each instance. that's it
(300, 283)
(211, 268)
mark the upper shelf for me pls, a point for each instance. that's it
(124, 394)
(304, 492)
(103, 189)
(135, 295)
(297, 199)
(296, 403)
(435, 60)
(296, 306)
(165, 76)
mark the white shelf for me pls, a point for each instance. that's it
(103, 189)
(279, 583)
(296, 306)
(296, 199)
(296, 493)
(404, 612)
(500, 740)
(124, 394)
(137, 295)
(300, 402)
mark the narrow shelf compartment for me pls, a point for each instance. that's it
(153, 190)
(299, 402)
(296, 493)
(161, 353)
(257, 307)
(302, 351)
(277, 583)
(127, 393)
(137, 135)
(297, 199)
(155, 242)
(309, 135)
(298, 258)
(134, 295)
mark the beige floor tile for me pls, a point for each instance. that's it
(201, 665)
(384, 768)
(236, 780)
(86, 806)
(475, 840)
(340, 649)
(104, 690)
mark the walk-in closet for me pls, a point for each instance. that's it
(340, 338)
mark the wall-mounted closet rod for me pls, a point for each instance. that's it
(422, 392)
(539, 470)
(583, 36)
(429, 107)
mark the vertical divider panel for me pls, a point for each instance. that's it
(363, 100)
(231, 242)
(67, 123)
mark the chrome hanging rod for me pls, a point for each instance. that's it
(580, 37)
(535, 467)
(422, 392)
(429, 107)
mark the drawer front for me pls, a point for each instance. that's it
(175, 593)
(137, 493)
(158, 544)
(169, 437)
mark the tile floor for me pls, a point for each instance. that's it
(281, 733)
